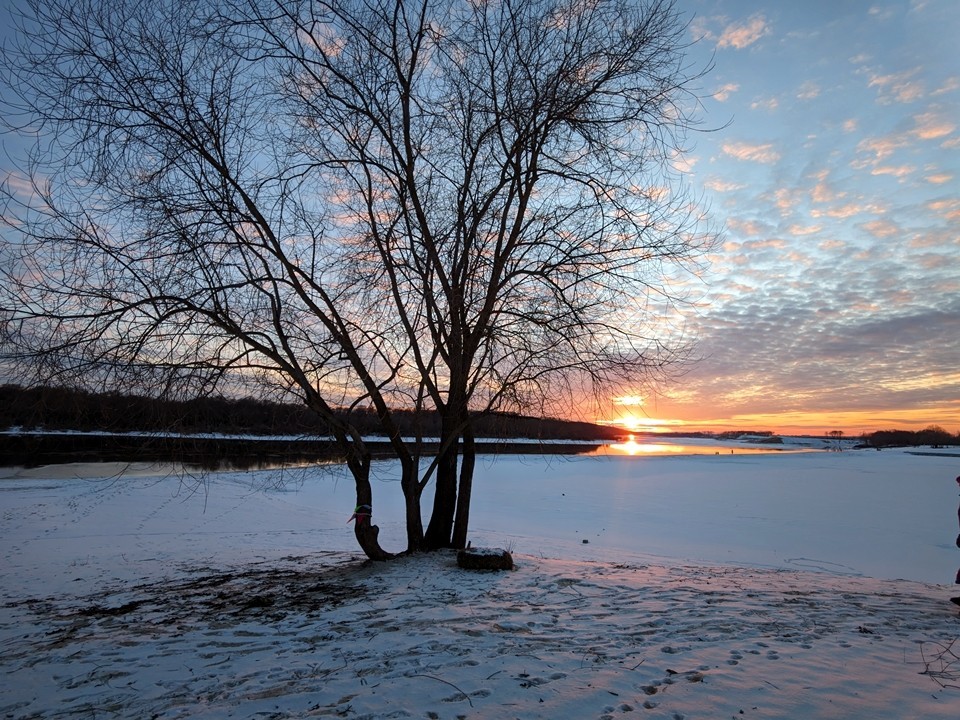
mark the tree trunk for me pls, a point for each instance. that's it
(411, 497)
(467, 464)
(365, 531)
(358, 462)
(440, 527)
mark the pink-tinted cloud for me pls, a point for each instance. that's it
(724, 92)
(932, 126)
(841, 212)
(747, 228)
(744, 34)
(788, 199)
(881, 148)
(822, 191)
(768, 104)
(897, 171)
(950, 85)
(882, 228)
(723, 186)
(900, 87)
(948, 209)
(762, 153)
(801, 230)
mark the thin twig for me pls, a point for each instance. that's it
(946, 660)
(445, 682)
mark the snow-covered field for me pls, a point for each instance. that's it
(759, 586)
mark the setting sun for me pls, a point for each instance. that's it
(635, 420)
(641, 424)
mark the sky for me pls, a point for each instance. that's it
(830, 160)
(833, 301)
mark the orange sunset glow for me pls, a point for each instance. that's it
(851, 422)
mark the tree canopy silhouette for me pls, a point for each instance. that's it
(369, 204)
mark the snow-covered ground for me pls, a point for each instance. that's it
(779, 586)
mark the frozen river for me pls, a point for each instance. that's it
(880, 514)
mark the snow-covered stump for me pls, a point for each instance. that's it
(484, 559)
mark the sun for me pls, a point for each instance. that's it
(631, 423)
(631, 415)
(629, 419)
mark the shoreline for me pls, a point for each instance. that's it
(232, 453)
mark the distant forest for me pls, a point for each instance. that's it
(934, 436)
(55, 408)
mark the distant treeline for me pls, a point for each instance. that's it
(934, 436)
(57, 408)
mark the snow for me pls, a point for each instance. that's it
(809, 585)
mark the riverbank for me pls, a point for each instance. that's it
(226, 452)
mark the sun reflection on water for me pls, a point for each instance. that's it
(632, 447)
(649, 446)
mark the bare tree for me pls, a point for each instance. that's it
(449, 205)
(176, 247)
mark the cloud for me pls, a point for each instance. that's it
(946, 241)
(932, 126)
(841, 212)
(822, 192)
(723, 93)
(832, 246)
(768, 104)
(802, 230)
(19, 185)
(748, 228)
(764, 153)
(879, 13)
(882, 228)
(932, 261)
(767, 244)
(939, 178)
(788, 199)
(849, 345)
(723, 186)
(897, 87)
(897, 171)
(851, 125)
(948, 209)
(808, 91)
(741, 35)
(683, 163)
(951, 84)
(881, 148)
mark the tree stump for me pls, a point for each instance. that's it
(484, 559)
